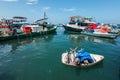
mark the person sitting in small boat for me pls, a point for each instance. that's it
(72, 21)
(78, 20)
(92, 27)
(84, 57)
(77, 61)
(14, 31)
(9, 31)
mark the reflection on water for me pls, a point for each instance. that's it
(119, 73)
(98, 40)
(7, 76)
(77, 39)
(12, 45)
(39, 58)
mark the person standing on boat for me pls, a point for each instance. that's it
(14, 32)
(72, 20)
(92, 27)
(78, 20)
(9, 31)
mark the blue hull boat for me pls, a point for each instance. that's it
(68, 28)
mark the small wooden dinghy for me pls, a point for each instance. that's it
(65, 56)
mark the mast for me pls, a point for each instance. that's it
(44, 15)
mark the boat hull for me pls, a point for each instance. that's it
(96, 58)
(22, 35)
(68, 28)
(109, 35)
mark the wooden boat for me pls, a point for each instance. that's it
(104, 35)
(97, 58)
(23, 35)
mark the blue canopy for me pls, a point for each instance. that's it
(84, 56)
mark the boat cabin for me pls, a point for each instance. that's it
(19, 21)
(33, 27)
(80, 21)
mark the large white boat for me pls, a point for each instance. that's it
(78, 23)
(33, 27)
(18, 21)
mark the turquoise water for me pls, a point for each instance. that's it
(39, 58)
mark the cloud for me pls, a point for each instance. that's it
(69, 9)
(46, 8)
(30, 2)
(9, 0)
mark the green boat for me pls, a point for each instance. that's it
(32, 34)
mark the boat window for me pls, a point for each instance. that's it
(84, 24)
(26, 24)
(33, 24)
(72, 22)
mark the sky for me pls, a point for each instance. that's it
(60, 11)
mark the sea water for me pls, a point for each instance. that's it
(39, 58)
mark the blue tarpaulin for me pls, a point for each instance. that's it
(82, 55)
